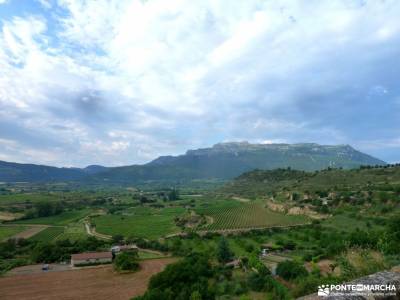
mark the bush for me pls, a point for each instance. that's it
(118, 238)
(256, 282)
(181, 280)
(126, 261)
(290, 270)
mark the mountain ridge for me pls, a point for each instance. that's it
(228, 160)
(221, 161)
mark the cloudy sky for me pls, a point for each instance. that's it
(121, 82)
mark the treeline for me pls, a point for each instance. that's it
(45, 209)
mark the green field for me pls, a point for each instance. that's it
(236, 215)
(27, 198)
(146, 223)
(73, 232)
(48, 234)
(62, 219)
(344, 222)
(8, 231)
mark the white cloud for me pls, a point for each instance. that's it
(124, 81)
(45, 3)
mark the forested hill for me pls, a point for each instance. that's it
(259, 183)
(14, 172)
(222, 161)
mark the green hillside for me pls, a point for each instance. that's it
(264, 182)
(222, 161)
(228, 160)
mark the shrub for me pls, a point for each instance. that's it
(181, 280)
(290, 270)
(126, 261)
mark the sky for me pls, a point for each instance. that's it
(122, 82)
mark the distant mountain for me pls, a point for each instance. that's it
(15, 172)
(94, 169)
(228, 160)
(222, 161)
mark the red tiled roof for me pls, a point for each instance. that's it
(91, 255)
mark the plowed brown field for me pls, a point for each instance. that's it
(92, 283)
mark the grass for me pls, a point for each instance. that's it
(236, 215)
(344, 222)
(140, 223)
(149, 255)
(62, 219)
(48, 235)
(7, 232)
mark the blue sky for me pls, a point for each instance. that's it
(122, 82)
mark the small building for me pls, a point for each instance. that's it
(91, 258)
(124, 248)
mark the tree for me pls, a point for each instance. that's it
(182, 280)
(127, 261)
(47, 253)
(44, 209)
(256, 282)
(224, 254)
(173, 195)
(118, 238)
(290, 270)
(195, 296)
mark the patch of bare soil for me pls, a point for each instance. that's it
(325, 266)
(93, 283)
(306, 211)
(241, 199)
(7, 216)
(210, 220)
(276, 207)
(295, 210)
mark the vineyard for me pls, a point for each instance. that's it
(139, 222)
(235, 215)
(48, 234)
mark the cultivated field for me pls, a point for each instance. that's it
(90, 283)
(61, 219)
(48, 234)
(73, 232)
(26, 198)
(141, 222)
(9, 231)
(228, 215)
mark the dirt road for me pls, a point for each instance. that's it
(91, 231)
